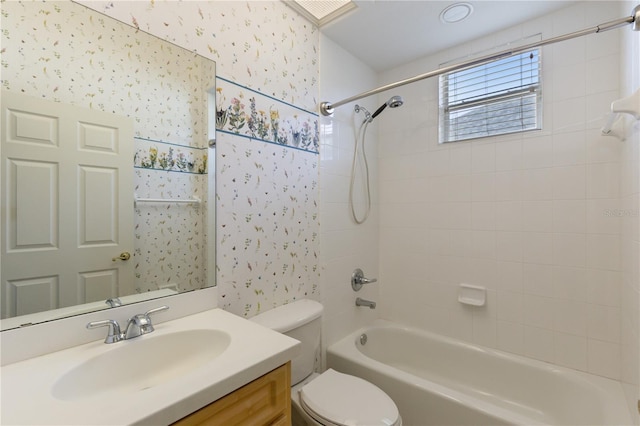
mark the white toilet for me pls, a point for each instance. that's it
(330, 398)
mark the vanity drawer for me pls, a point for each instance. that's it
(265, 401)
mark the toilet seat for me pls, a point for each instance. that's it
(337, 399)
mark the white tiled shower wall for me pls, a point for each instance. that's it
(532, 217)
(344, 245)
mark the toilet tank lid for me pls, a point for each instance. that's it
(292, 315)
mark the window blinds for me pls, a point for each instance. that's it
(495, 98)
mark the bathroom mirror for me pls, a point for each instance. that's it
(139, 101)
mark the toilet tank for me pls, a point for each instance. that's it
(301, 321)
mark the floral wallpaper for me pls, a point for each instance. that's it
(60, 51)
(266, 175)
(170, 238)
(266, 152)
(267, 225)
(263, 45)
(67, 53)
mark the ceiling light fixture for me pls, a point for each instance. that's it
(321, 12)
(455, 13)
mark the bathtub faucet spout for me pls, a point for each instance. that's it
(367, 303)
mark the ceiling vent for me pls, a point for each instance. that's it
(321, 12)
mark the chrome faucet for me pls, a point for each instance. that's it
(114, 335)
(141, 324)
(367, 303)
(358, 280)
(137, 326)
(113, 302)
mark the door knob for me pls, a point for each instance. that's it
(125, 255)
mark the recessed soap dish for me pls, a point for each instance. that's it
(472, 295)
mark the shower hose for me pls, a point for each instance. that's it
(360, 143)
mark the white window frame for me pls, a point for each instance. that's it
(526, 87)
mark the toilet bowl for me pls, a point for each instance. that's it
(337, 399)
(331, 398)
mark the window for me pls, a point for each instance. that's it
(495, 98)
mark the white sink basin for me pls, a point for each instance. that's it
(141, 363)
(158, 378)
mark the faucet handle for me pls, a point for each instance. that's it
(148, 328)
(155, 310)
(141, 324)
(358, 279)
(114, 335)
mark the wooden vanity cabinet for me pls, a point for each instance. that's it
(264, 401)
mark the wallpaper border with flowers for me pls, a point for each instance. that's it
(171, 157)
(245, 112)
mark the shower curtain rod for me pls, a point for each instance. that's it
(327, 108)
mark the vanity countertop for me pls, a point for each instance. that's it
(27, 386)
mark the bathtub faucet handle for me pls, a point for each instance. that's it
(358, 280)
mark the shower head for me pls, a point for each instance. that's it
(393, 102)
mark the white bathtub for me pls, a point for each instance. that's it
(436, 380)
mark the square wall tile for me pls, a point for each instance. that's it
(569, 148)
(538, 312)
(483, 216)
(568, 81)
(508, 246)
(510, 337)
(569, 216)
(509, 155)
(483, 158)
(538, 279)
(509, 306)
(538, 343)
(537, 247)
(569, 115)
(483, 244)
(602, 217)
(509, 276)
(537, 216)
(508, 185)
(508, 215)
(569, 182)
(570, 317)
(604, 323)
(569, 249)
(604, 359)
(603, 287)
(603, 251)
(537, 152)
(538, 184)
(603, 180)
(460, 159)
(570, 283)
(483, 187)
(570, 351)
(599, 72)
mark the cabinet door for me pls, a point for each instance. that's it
(265, 401)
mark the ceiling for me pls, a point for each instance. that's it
(388, 33)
